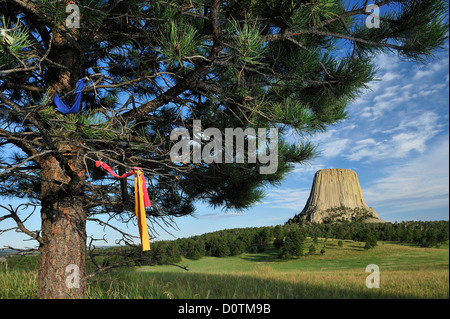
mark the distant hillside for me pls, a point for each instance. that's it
(5, 252)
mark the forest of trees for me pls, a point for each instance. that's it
(290, 238)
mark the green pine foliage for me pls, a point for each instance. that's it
(178, 43)
(15, 43)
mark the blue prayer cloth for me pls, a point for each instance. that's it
(62, 106)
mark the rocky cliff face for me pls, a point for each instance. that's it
(336, 196)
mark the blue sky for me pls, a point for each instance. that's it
(396, 139)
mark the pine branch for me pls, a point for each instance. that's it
(13, 214)
(33, 157)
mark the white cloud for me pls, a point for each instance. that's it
(306, 169)
(398, 84)
(365, 142)
(421, 183)
(398, 125)
(389, 92)
(333, 148)
(389, 98)
(423, 73)
(291, 198)
(387, 61)
(389, 76)
(411, 134)
(406, 142)
(330, 144)
(431, 69)
(426, 122)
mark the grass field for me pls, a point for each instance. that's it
(405, 272)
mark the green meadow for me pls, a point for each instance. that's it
(406, 271)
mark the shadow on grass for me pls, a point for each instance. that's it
(357, 247)
(270, 254)
(163, 285)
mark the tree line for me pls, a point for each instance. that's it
(290, 238)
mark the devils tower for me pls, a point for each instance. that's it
(337, 196)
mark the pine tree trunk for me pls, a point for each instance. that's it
(62, 263)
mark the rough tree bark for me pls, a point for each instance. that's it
(62, 264)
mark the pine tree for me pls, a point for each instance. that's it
(154, 66)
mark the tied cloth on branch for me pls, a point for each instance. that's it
(141, 198)
(62, 106)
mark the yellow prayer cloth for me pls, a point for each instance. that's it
(140, 211)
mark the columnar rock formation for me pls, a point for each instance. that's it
(336, 196)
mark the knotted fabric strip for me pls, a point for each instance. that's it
(63, 107)
(141, 199)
